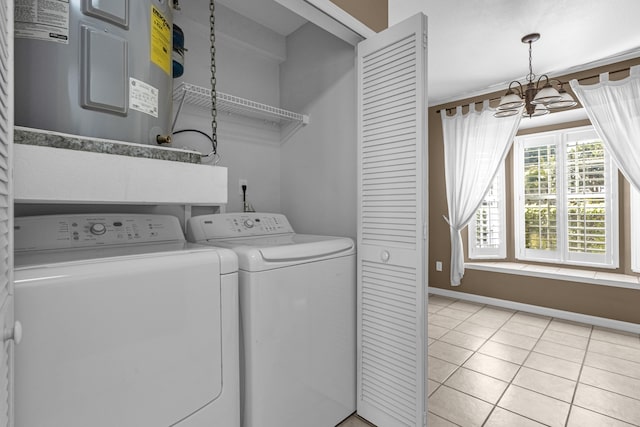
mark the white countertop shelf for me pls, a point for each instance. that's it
(288, 121)
(56, 175)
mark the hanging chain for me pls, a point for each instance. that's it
(530, 77)
(214, 106)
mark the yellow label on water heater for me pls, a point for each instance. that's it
(160, 40)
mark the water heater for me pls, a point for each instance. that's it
(98, 68)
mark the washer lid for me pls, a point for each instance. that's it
(265, 253)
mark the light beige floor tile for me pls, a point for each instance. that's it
(569, 327)
(560, 351)
(432, 386)
(435, 421)
(547, 384)
(492, 366)
(620, 351)
(435, 331)
(447, 402)
(487, 320)
(476, 330)
(440, 300)
(607, 403)
(616, 383)
(514, 339)
(460, 339)
(439, 370)
(430, 341)
(565, 339)
(553, 365)
(448, 352)
(616, 337)
(443, 321)
(471, 307)
(501, 313)
(504, 352)
(613, 364)
(431, 309)
(503, 418)
(536, 406)
(477, 385)
(523, 329)
(531, 319)
(354, 421)
(498, 311)
(456, 314)
(580, 417)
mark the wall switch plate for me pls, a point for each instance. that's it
(241, 182)
(438, 265)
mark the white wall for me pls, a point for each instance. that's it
(312, 177)
(318, 178)
(247, 61)
(399, 10)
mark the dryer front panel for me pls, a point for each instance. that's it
(130, 341)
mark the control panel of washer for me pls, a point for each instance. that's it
(228, 225)
(76, 231)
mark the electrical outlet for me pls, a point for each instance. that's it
(240, 184)
(438, 265)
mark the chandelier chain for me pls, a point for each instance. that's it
(530, 77)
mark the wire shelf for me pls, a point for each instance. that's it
(201, 97)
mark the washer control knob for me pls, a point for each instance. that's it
(98, 229)
(248, 223)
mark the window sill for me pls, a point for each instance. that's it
(558, 273)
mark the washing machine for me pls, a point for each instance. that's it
(297, 319)
(125, 324)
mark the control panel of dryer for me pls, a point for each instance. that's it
(229, 225)
(77, 231)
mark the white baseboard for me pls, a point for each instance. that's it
(543, 311)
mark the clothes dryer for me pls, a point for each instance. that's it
(298, 319)
(125, 324)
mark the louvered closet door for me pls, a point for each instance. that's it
(392, 211)
(6, 211)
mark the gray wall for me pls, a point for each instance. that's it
(318, 164)
(248, 57)
(311, 178)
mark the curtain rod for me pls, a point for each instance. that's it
(497, 98)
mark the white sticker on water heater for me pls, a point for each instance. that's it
(42, 20)
(143, 97)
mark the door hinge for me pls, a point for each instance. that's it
(424, 231)
(424, 419)
(424, 40)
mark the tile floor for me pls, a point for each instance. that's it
(491, 367)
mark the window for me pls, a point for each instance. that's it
(566, 199)
(486, 237)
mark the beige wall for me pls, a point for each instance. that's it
(604, 301)
(373, 13)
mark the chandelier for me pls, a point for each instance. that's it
(537, 101)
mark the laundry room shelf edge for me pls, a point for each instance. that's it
(288, 121)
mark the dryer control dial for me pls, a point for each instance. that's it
(98, 229)
(248, 223)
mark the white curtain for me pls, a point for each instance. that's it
(614, 110)
(475, 144)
